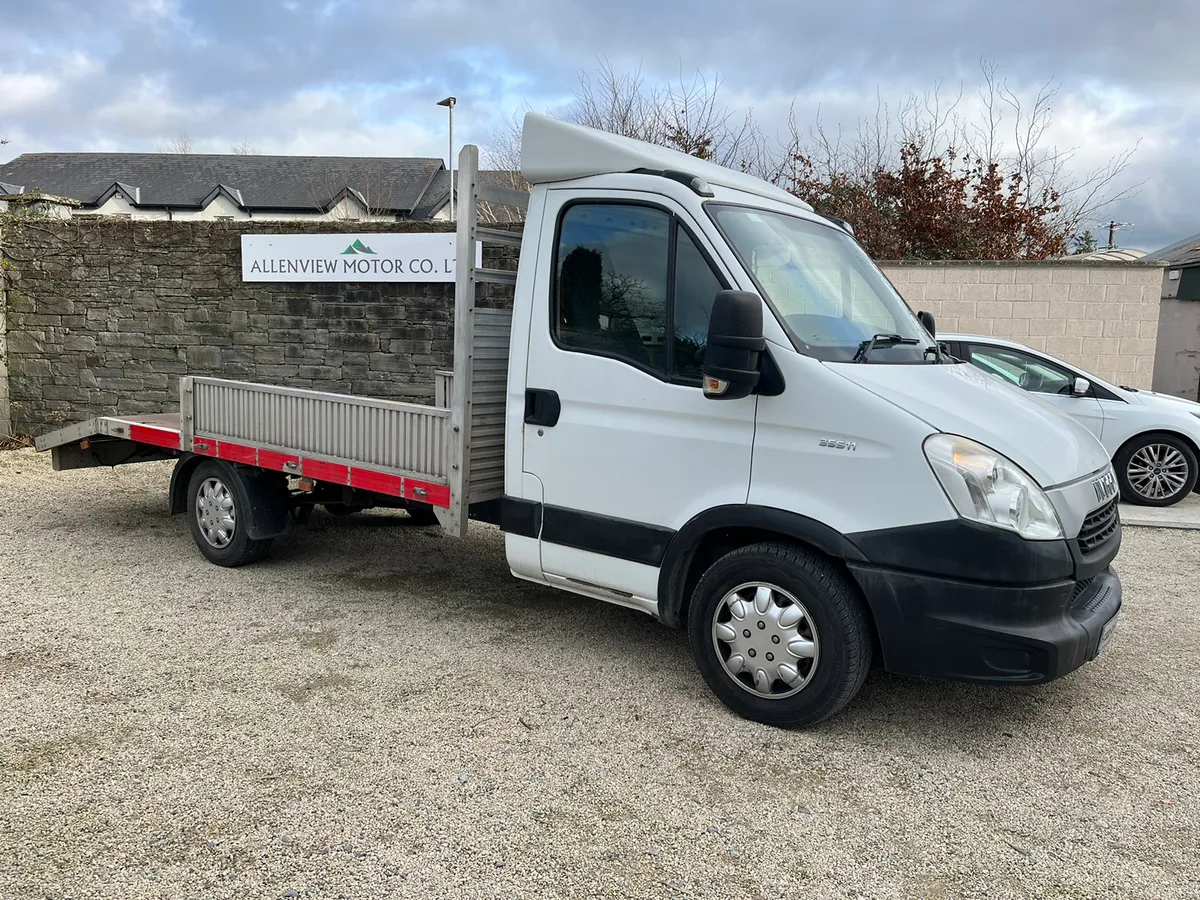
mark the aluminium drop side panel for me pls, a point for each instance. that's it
(443, 387)
(404, 438)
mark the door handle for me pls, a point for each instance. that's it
(542, 407)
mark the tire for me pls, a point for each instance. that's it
(422, 514)
(833, 635)
(1156, 470)
(217, 511)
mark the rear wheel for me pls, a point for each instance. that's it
(780, 634)
(1156, 470)
(217, 515)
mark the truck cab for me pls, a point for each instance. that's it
(858, 493)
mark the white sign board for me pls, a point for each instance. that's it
(348, 257)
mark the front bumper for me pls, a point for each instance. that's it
(992, 633)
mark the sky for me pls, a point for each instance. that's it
(362, 77)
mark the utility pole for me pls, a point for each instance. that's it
(449, 104)
(1113, 225)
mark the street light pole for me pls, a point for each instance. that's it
(449, 104)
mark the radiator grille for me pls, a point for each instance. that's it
(1099, 526)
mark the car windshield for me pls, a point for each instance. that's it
(830, 296)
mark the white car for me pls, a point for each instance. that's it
(1152, 438)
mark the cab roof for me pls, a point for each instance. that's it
(559, 151)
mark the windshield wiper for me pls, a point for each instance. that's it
(881, 340)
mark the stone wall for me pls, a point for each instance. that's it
(6, 428)
(104, 315)
(1102, 317)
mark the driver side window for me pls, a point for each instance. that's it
(632, 284)
(1022, 369)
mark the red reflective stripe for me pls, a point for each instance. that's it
(323, 471)
(426, 492)
(336, 473)
(366, 480)
(237, 453)
(277, 462)
(159, 437)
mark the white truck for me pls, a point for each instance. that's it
(707, 404)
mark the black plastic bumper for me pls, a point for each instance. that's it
(991, 633)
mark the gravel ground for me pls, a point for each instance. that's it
(378, 710)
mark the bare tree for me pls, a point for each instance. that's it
(996, 157)
(503, 154)
(1012, 132)
(685, 114)
(369, 194)
(181, 143)
(986, 177)
(243, 148)
(502, 159)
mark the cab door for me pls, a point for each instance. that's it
(617, 430)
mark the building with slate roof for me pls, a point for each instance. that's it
(1182, 260)
(233, 186)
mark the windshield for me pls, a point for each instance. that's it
(830, 296)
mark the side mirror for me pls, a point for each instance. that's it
(1080, 387)
(735, 346)
(926, 320)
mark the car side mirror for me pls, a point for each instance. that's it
(926, 320)
(735, 346)
(1080, 387)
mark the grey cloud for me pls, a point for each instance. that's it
(232, 69)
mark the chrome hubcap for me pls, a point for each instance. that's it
(1157, 471)
(766, 640)
(215, 512)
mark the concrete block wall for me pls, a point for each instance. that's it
(1102, 317)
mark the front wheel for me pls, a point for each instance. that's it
(780, 634)
(1156, 470)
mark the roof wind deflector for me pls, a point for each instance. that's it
(842, 224)
(695, 182)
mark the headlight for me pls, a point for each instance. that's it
(989, 488)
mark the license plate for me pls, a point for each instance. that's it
(1106, 633)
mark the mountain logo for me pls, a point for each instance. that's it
(356, 248)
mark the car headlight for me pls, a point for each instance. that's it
(991, 489)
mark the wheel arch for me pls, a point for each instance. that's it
(717, 531)
(263, 494)
(181, 475)
(1151, 432)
